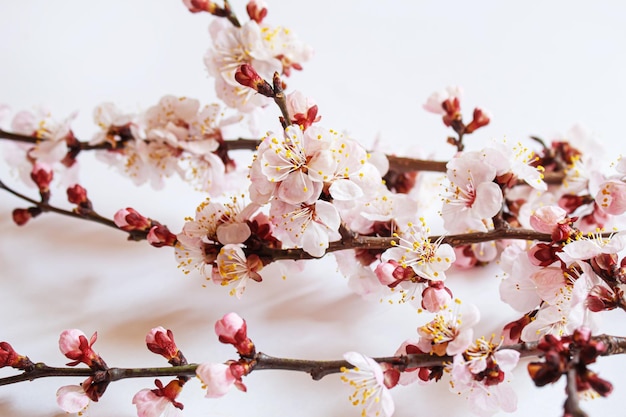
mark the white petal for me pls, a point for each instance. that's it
(345, 189)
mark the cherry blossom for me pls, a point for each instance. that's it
(472, 198)
(72, 398)
(150, 404)
(160, 401)
(368, 381)
(450, 332)
(414, 249)
(55, 136)
(235, 268)
(479, 376)
(218, 378)
(594, 245)
(612, 197)
(310, 227)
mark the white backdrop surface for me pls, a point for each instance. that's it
(539, 67)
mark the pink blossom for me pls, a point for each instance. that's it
(160, 401)
(361, 279)
(486, 396)
(472, 198)
(368, 381)
(414, 249)
(434, 103)
(612, 197)
(302, 110)
(450, 332)
(310, 227)
(545, 219)
(150, 404)
(594, 245)
(218, 378)
(237, 269)
(72, 398)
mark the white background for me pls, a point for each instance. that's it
(539, 67)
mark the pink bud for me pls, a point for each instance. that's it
(42, 176)
(546, 218)
(231, 328)
(384, 273)
(161, 342)
(246, 75)
(257, 10)
(196, 6)
(129, 219)
(21, 216)
(160, 236)
(436, 296)
(481, 118)
(74, 345)
(77, 194)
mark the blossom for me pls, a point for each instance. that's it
(481, 378)
(450, 332)
(593, 245)
(472, 198)
(236, 268)
(160, 401)
(54, 136)
(414, 249)
(72, 398)
(368, 381)
(446, 103)
(612, 197)
(267, 49)
(307, 226)
(218, 378)
(150, 404)
(302, 110)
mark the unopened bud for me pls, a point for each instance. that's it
(481, 118)
(160, 236)
(196, 6)
(129, 219)
(42, 176)
(77, 195)
(21, 216)
(257, 10)
(247, 76)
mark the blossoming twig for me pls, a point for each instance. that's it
(316, 368)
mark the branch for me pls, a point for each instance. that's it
(616, 345)
(90, 215)
(398, 164)
(382, 243)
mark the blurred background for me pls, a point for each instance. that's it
(538, 67)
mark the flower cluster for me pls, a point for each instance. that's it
(540, 212)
